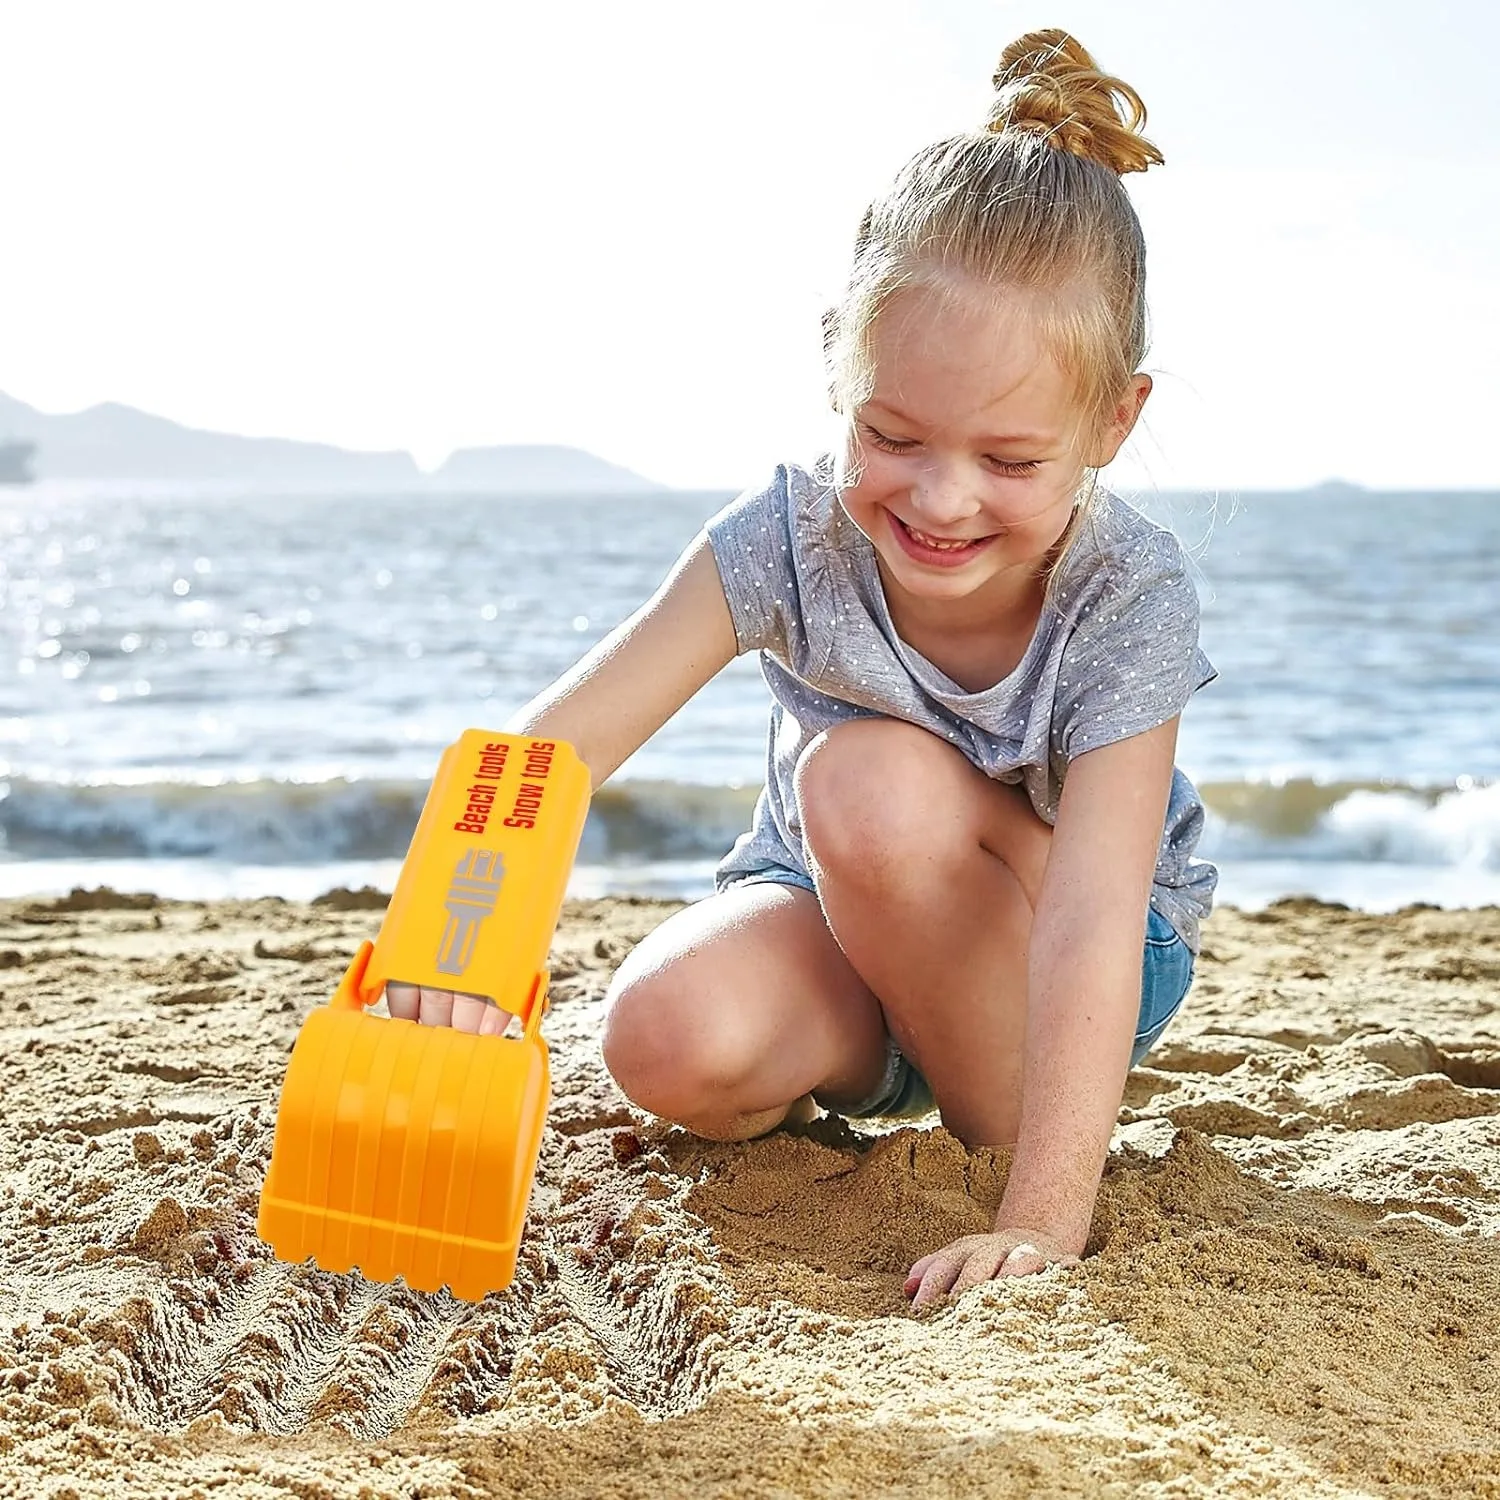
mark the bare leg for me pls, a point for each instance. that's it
(727, 1016)
(927, 872)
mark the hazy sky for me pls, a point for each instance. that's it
(616, 225)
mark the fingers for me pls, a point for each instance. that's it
(434, 1007)
(494, 1022)
(468, 1012)
(934, 1275)
(403, 1001)
(983, 1265)
(936, 1281)
(970, 1262)
(1024, 1260)
(915, 1275)
(437, 1007)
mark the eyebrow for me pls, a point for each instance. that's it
(1015, 437)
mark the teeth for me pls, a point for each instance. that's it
(937, 543)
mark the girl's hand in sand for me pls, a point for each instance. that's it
(411, 1002)
(983, 1257)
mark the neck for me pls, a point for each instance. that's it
(1009, 602)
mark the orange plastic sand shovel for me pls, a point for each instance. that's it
(411, 1150)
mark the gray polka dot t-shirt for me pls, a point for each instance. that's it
(1115, 653)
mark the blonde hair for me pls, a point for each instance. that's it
(1031, 202)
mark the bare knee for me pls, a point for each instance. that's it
(667, 1052)
(894, 810)
(870, 796)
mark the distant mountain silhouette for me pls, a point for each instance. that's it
(1336, 488)
(111, 441)
(118, 442)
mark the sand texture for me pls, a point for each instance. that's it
(1292, 1288)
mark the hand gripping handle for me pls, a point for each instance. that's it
(480, 891)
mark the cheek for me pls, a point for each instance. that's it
(1044, 529)
(1032, 507)
(865, 473)
(862, 486)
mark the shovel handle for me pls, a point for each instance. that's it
(482, 885)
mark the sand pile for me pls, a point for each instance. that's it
(1292, 1285)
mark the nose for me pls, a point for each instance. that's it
(942, 496)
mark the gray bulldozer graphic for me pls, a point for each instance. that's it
(471, 898)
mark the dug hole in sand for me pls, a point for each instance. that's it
(1291, 1286)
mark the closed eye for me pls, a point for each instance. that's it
(890, 444)
(1013, 467)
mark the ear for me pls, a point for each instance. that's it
(1127, 411)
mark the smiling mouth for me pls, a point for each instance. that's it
(922, 543)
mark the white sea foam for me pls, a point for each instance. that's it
(1455, 828)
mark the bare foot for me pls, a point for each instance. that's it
(803, 1111)
(752, 1127)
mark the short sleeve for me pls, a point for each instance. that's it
(1133, 659)
(751, 543)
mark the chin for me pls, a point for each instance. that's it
(926, 583)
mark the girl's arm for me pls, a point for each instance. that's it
(607, 706)
(642, 672)
(1085, 981)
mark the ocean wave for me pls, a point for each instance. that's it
(283, 822)
(277, 822)
(1373, 822)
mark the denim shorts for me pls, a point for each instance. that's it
(903, 1093)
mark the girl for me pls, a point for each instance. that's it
(972, 827)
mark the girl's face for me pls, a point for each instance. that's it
(967, 456)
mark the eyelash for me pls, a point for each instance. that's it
(905, 445)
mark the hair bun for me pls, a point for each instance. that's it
(1048, 84)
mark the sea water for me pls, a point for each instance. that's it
(245, 692)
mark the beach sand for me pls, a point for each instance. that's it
(1292, 1287)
